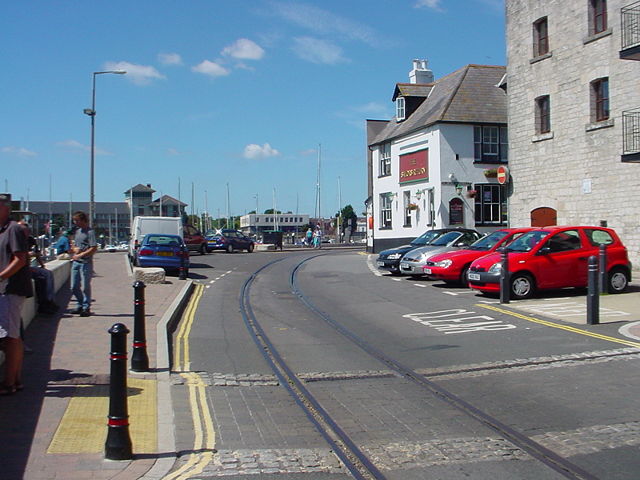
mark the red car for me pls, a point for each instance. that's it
(452, 267)
(552, 258)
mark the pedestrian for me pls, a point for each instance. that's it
(309, 237)
(15, 286)
(82, 263)
(317, 237)
(42, 277)
(62, 245)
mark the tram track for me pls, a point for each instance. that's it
(345, 448)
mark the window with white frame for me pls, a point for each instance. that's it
(490, 204)
(385, 210)
(490, 143)
(406, 197)
(400, 108)
(385, 159)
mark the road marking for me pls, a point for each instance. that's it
(373, 268)
(561, 327)
(624, 330)
(181, 358)
(451, 293)
(569, 309)
(420, 285)
(396, 279)
(456, 320)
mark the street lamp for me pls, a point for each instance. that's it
(92, 113)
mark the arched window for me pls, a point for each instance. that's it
(456, 211)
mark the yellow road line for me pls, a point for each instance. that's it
(560, 326)
(204, 433)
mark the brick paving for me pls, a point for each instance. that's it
(68, 351)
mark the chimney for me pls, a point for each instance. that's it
(420, 72)
(149, 185)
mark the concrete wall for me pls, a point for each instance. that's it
(577, 169)
(61, 270)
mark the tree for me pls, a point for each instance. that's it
(349, 219)
(269, 211)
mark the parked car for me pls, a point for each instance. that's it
(165, 251)
(143, 225)
(553, 258)
(110, 248)
(413, 263)
(194, 240)
(452, 267)
(390, 259)
(230, 241)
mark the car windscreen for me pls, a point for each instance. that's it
(162, 240)
(527, 241)
(488, 242)
(445, 239)
(426, 238)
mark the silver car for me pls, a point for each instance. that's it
(414, 261)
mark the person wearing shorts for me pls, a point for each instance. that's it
(15, 286)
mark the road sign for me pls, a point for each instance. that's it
(503, 174)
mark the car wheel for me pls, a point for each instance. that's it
(203, 249)
(618, 280)
(209, 250)
(522, 286)
(464, 281)
(229, 248)
(417, 277)
(250, 248)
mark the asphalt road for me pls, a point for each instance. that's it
(573, 393)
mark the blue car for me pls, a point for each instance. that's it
(164, 251)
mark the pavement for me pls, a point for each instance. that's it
(56, 427)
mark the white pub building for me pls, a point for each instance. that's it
(435, 164)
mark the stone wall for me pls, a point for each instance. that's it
(577, 169)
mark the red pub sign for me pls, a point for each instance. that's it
(414, 167)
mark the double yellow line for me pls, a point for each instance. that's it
(204, 434)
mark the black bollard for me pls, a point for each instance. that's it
(118, 444)
(139, 357)
(603, 268)
(182, 270)
(505, 278)
(593, 295)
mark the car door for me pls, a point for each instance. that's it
(561, 261)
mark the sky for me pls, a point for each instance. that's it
(242, 93)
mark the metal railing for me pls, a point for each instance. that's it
(630, 21)
(631, 131)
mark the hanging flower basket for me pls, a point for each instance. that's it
(491, 172)
(472, 193)
(412, 206)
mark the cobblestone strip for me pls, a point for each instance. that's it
(411, 455)
(450, 372)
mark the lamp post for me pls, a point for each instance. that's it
(92, 113)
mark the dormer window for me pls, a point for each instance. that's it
(400, 108)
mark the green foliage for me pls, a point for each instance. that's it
(269, 211)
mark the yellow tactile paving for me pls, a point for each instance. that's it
(83, 428)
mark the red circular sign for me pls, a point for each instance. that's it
(503, 174)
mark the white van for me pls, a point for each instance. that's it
(144, 225)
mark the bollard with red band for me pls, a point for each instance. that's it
(118, 444)
(139, 357)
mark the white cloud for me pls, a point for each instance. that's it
(372, 108)
(433, 4)
(212, 69)
(318, 51)
(18, 151)
(324, 22)
(253, 151)
(170, 59)
(244, 49)
(174, 152)
(138, 74)
(75, 145)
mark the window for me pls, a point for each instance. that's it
(400, 110)
(385, 160)
(600, 99)
(540, 37)
(490, 143)
(407, 211)
(597, 16)
(598, 237)
(543, 114)
(563, 241)
(490, 204)
(385, 210)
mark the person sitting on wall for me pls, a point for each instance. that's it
(42, 277)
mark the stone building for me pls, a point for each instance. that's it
(574, 118)
(430, 166)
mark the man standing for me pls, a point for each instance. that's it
(82, 263)
(15, 286)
